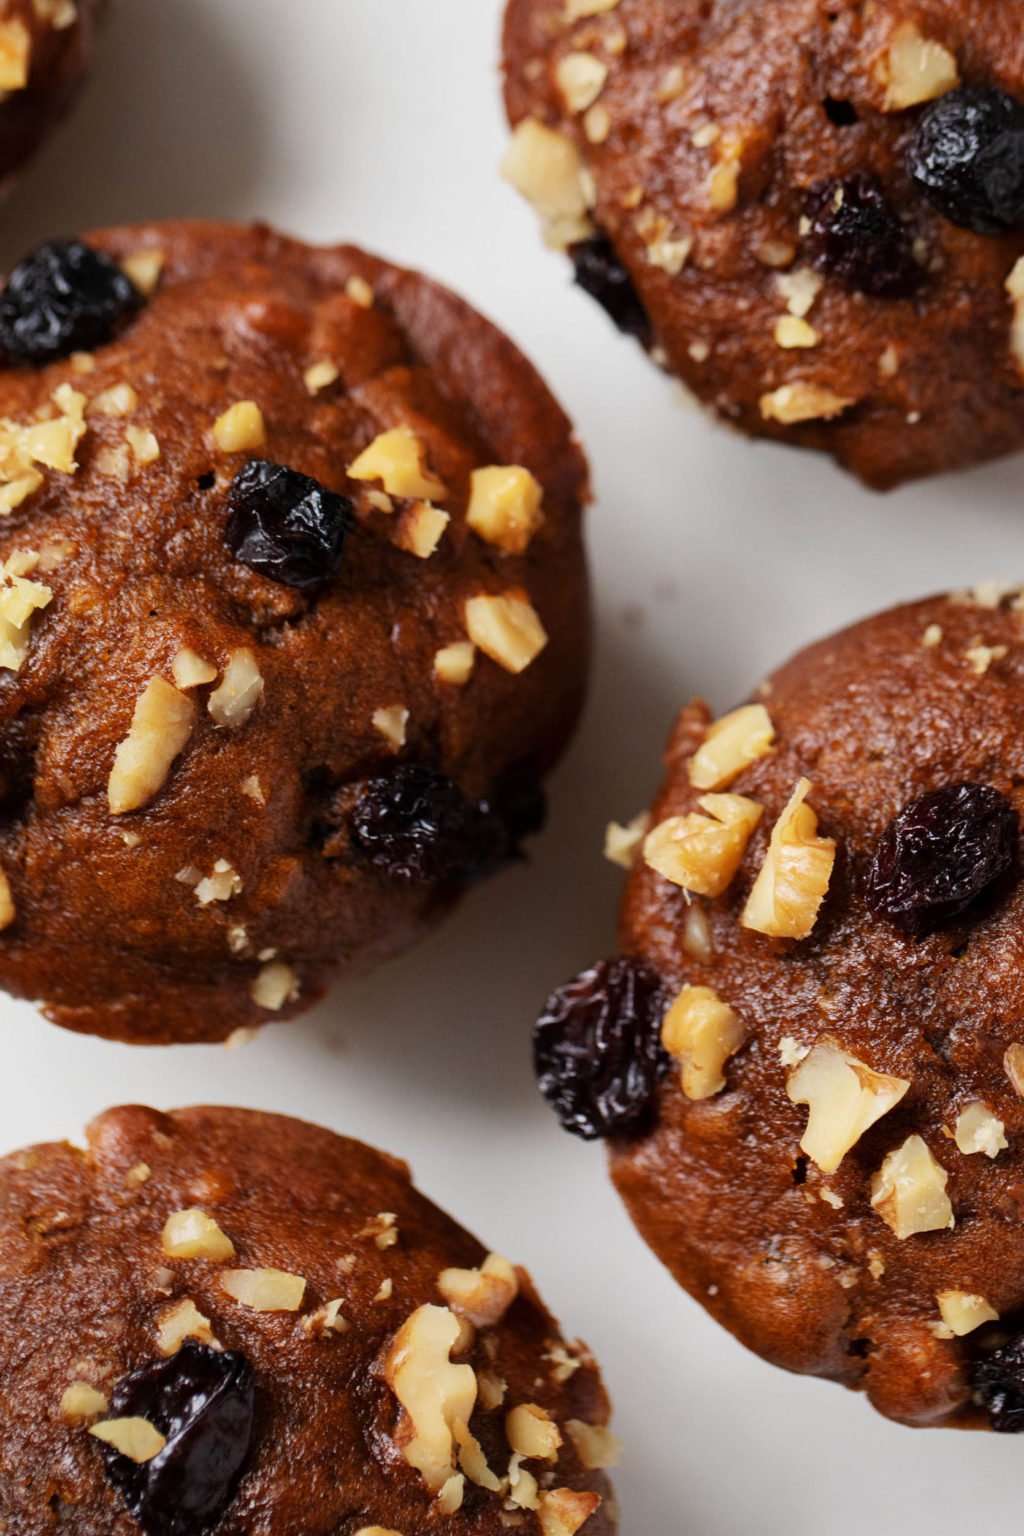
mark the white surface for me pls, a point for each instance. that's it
(379, 120)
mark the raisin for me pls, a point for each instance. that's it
(600, 273)
(998, 1383)
(64, 298)
(515, 808)
(967, 157)
(855, 237)
(202, 1400)
(416, 825)
(285, 525)
(597, 1048)
(940, 854)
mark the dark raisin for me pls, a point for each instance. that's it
(597, 1048)
(515, 808)
(202, 1400)
(416, 825)
(285, 525)
(967, 157)
(600, 273)
(998, 1383)
(940, 854)
(855, 237)
(63, 298)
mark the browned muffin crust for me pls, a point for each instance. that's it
(45, 52)
(111, 923)
(807, 1267)
(93, 1286)
(700, 131)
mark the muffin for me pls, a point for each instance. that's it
(45, 53)
(294, 620)
(809, 1056)
(230, 1322)
(812, 213)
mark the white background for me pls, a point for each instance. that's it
(379, 121)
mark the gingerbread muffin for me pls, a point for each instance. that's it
(811, 211)
(809, 1056)
(45, 52)
(229, 1322)
(294, 620)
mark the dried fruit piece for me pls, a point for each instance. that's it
(201, 1401)
(943, 851)
(998, 1382)
(855, 236)
(600, 273)
(795, 875)
(844, 1096)
(967, 157)
(416, 825)
(597, 1048)
(286, 525)
(64, 298)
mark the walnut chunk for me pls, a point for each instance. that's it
(1013, 1066)
(596, 1446)
(360, 292)
(224, 883)
(909, 1191)
(793, 334)
(581, 77)
(82, 1402)
(482, 1295)
(563, 1511)
(183, 1321)
(454, 663)
(162, 723)
(844, 1097)
(320, 376)
(391, 723)
(731, 744)
(435, 1394)
(241, 689)
(275, 985)
(241, 428)
(505, 507)
(977, 1129)
(507, 628)
(192, 1234)
(15, 55)
(702, 1033)
(915, 69)
(20, 599)
(137, 1439)
(794, 878)
(397, 459)
(546, 168)
(145, 449)
(623, 845)
(144, 269)
(962, 1312)
(421, 529)
(1015, 289)
(803, 400)
(264, 1290)
(703, 853)
(577, 10)
(532, 1433)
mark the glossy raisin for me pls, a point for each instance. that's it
(597, 1048)
(998, 1383)
(600, 273)
(64, 298)
(855, 237)
(202, 1401)
(943, 851)
(515, 808)
(967, 157)
(285, 525)
(417, 825)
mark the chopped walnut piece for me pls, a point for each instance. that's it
(977, 1129)
(454, 663)
(137, 1439)
(224, 883)
(19, 600)
(1013, 1066)
(731, 744)
(183, 1321)
(915, 69)
(327, 1319)
(963, 1311)
(383, 1229)
(794, 878)
(546, 168)
(581, 78)
(724, 184)
(52, 442)
(192, 1234)
(397, 459)
(576, 10)
(473, 1461)
(493, 1390)
(241, 428)
(523, 1492)
(162, 723)
(1015, 289)
(792, 334)
(320, 376)
(507, 628)
(697, 934)
(118, 400)
(802, 400)
(702, 853)
(596, 1446)
(376, 1530)
(844, 1097)
(597, 124)
(909, 1191)
(241, 689)
(421, 529)
(799, 290)
(449, 1499)
(624, 844)
(143, 444)
(435, 1394)
(275, 985)
(264, 1290)
(702, 1033)
(82, 1402)
(189, 670)
(532, 1433)
(482, 1295)
(15, 55)
(360, 292)
(563, 1511)
(391, 723)
(505, 507)
(144, 268)
(58, 14)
